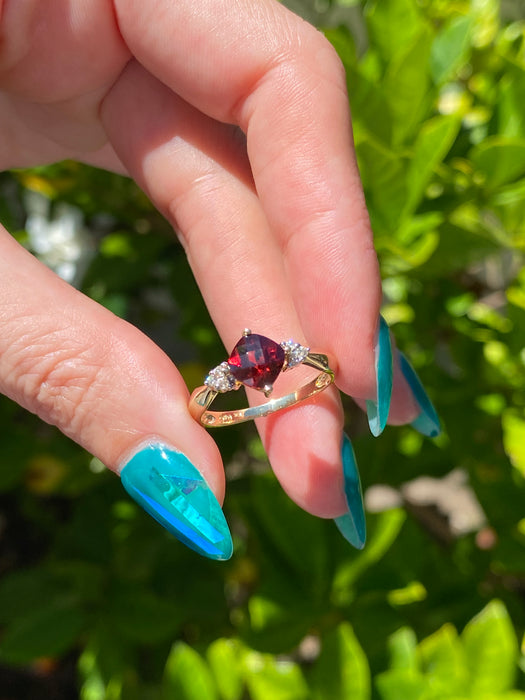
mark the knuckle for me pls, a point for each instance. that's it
(63, 394)
(311, 48)
(54, 378)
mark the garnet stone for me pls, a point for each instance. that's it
(256, 361)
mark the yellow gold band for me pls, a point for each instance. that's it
(203, 397)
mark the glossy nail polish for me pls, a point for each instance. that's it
(352, 525)
(167, 485)
(427, 423)
(377, 411)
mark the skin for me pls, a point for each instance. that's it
(233, 117)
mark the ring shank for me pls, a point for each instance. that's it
(202, 398)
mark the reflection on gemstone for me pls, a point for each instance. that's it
(256, 361)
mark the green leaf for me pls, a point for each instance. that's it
(49, 631)
(402, 646)
(141, 616)
(491, 650)
(383, 173)
(341, 670)
(384, 531)
(102, 666)
(511, 115)
(487, 19)
(393, 24)
(225, 660)
(370, 110)
(461, 242)
(513, 424)
(433, 142)
(450, 48)
(268, 677)
(187, 676)
(444, 662)
(298, 537)
(500, 160)
(415, 241)
(404, 679)
(279, 618)
(401, 684)
(407, 88)
(26, 591)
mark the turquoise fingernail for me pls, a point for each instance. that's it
(167, 485)
(352, 525)
(377, 410)
(427, 423)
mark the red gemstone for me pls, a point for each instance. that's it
(256, 361)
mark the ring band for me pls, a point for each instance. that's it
(256, 362)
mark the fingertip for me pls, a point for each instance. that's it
(168, 486)
(304, 449)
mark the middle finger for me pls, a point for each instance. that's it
(196, 172)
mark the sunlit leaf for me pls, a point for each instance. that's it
(513, 424)
(510, 104)
(393, 25)
(341, 671)
(225, 657)
(402, 646)
(491, 650)
(499, 159)
(432, 144)
(268, 677)
(444, 662)
(407, 86)
(401, 684)
(187, 676)
(450, 48)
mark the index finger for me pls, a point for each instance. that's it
(258, 65)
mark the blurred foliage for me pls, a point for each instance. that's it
(95, 596)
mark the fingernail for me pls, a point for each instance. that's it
(352, 525)
(427, 423)
(166, 484)
(377, 410)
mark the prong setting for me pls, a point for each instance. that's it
(295, 354)
(221, 379)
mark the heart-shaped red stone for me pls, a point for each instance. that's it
(256, 361)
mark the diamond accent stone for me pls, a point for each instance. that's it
(257, 361)
(221, 379)
(295, 353)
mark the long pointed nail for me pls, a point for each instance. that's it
(352, 525)
(378, 410)
(427, 423)
(167, 485)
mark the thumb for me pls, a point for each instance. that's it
(111, 389)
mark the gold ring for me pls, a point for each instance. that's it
(256, 362)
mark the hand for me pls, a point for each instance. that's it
(233, 117)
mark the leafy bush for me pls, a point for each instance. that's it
(89, 582)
